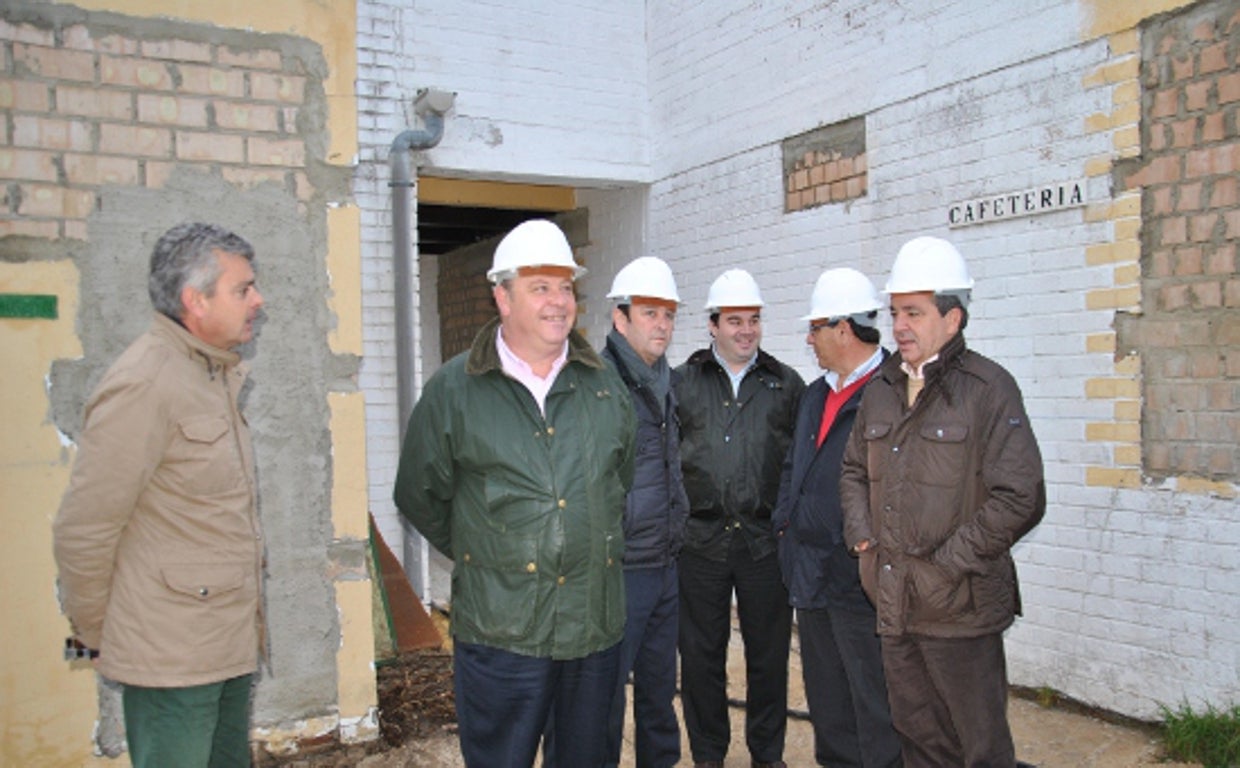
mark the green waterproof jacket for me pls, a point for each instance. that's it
(528, 507)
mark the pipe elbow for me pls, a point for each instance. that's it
(420, 139)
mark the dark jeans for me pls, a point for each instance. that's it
(706, 588)
(842, 665)
(199, 726)
(649, 652)
(504, 701)
(949, 700)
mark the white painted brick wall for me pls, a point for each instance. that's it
(617, 236)
(383, 94)
(549, 90)
(544, 94)
(1130, 595)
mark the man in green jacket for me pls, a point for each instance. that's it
(158, 540)
(516, 463)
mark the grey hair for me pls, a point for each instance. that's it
(946, 302)
(184, 256)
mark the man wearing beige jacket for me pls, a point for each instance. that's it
(157, 541)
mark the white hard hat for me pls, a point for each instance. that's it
(644, 276)
(929, 264)
(734, 288)
(533, 243)
(844, 292)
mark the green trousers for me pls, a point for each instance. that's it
(201, 726)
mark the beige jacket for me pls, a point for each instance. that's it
(158, 541)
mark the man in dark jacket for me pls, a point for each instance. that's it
(942, 475)
(515, 465)
(654, 515)
(737, 408)
(841, 659)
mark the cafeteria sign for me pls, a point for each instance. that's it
(1012, 205)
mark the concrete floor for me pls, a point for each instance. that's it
(1048, 738)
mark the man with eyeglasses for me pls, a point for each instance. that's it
(841, 658)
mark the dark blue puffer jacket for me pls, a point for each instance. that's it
(656, 507)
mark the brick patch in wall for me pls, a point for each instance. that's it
(1186, 175)
(826, 165)
(82, 107)
(465, 302)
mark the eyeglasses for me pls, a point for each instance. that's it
(814, 327)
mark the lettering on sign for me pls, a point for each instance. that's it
(1012, 205)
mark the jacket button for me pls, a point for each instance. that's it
(560, 581)
(561, 503)
(887, 566)
(531, 568)
(203, 591)
(550, 431)
(466, 557)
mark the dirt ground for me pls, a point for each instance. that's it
(417, 725)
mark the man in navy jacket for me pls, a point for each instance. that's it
(840, 653)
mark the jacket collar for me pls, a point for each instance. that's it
(192, 346)
(951, 356)
(484, 357)
(765, 361)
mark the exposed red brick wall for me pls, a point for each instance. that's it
(824, 166)
(1189, 335)
(465, 303)
(80, 109)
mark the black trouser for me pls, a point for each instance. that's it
(706, 588)
(842, 664)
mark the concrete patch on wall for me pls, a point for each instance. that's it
(114, 128)
(292, 372)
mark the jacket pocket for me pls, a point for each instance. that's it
(867, 572)
(205, 607)
(876, 449)
(936, 595)
(203, 457)
(495, 586)
(943, 461)
(613, 587)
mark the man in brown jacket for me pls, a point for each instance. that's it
(157, 540)
(941, 476)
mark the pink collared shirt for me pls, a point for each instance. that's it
(521, 371)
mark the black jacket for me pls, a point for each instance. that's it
(656, 506)
(732, 449)
(809, 519)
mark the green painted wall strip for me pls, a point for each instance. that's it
(28, 305)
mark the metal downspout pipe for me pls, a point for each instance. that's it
(431, 105)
